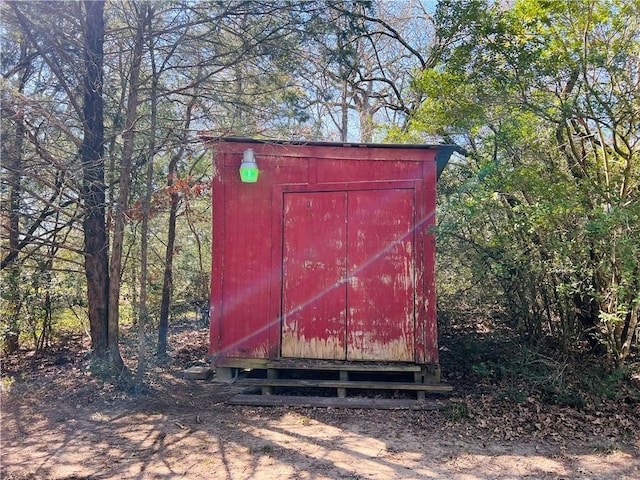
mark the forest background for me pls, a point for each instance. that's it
(106, 185)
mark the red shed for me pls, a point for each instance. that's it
(328, 256)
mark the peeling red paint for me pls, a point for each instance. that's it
(329, 255)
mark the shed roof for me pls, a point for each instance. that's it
(442, 156)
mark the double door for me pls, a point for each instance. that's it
(348, 280)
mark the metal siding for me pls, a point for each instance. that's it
(246, 270)
(242, 321)
(420, 231)
(429, 268)
(250, 251)
(331, 171)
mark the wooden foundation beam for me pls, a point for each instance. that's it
(335, 402)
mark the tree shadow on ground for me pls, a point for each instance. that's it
(60, 422)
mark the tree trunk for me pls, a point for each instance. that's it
(13, 159)
(123, 193)
(96, 242)
(365, 112)
(144, 246)
(167, 283)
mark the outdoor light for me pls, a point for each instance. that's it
(249, 168)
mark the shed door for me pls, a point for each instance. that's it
(314, 299)
(348, 275)
(381, 285)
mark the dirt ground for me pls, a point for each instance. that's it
(59, 422)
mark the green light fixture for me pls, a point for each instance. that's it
(249, 168)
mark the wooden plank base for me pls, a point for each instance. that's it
(198, 373)
(340, 383)
(335, 402)
(344, 384)
(308, 364)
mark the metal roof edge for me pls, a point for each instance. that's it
(442, 156)
(207, 138)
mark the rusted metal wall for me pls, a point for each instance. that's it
(329, 255)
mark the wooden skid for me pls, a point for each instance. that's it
(297, 364)
(287, 379)
(311, 383)
(240, 362)
(335, 402)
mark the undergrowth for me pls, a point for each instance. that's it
(499, 363)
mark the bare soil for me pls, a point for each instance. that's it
(60, 422)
